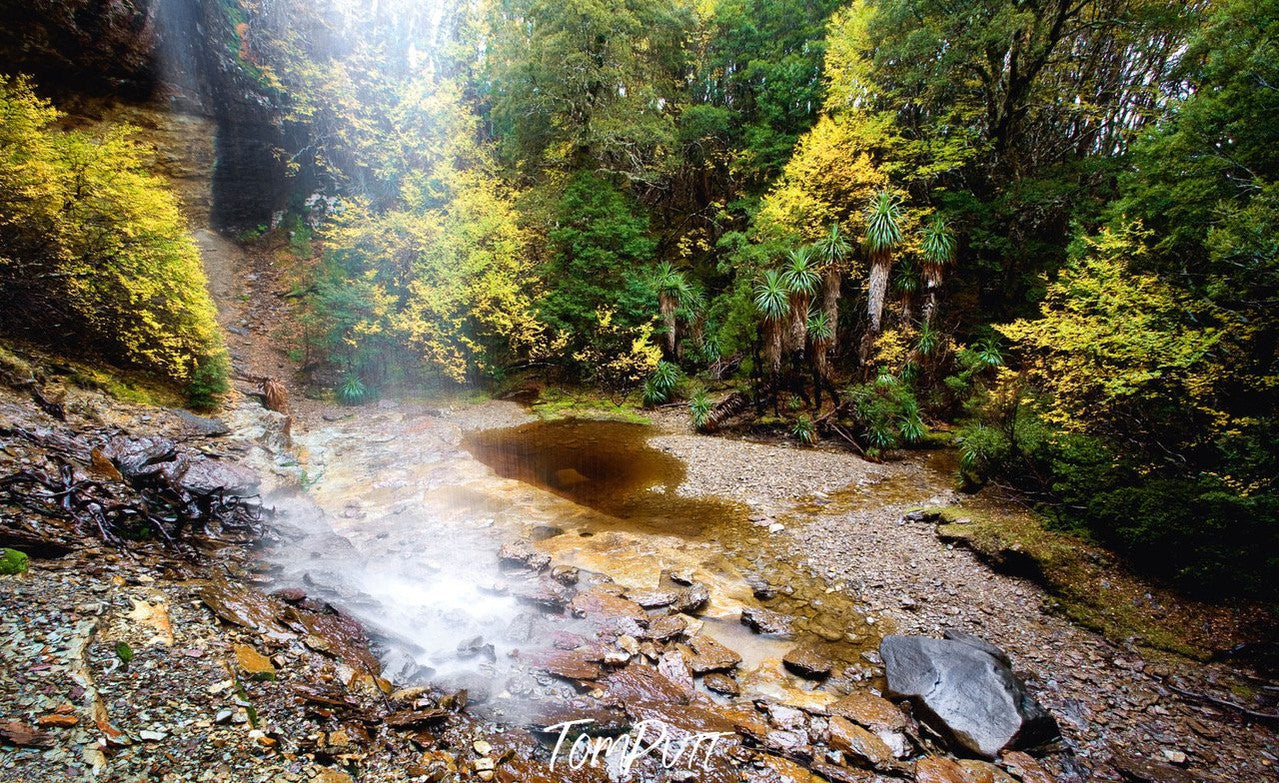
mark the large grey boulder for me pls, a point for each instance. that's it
(964, 688)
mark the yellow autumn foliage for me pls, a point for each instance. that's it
(95, 257)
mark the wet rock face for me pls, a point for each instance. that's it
(965, 692)
(86, 44)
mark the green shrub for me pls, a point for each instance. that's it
(887, 413)
(699, 410)
(804, 431)
(13, 562)
(352, 391)
(662, 383)
(208, 382)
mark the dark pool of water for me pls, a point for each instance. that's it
(610, 467)
(607, 466)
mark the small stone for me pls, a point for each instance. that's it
(327, 775)
(57, 720)
(482, 747)
(939, 770)
(520, 553)
(858, 743)
(254, 663)
(566, 575)
(1175, 757)
(691, 599)
(721, 683)
(152, 736)
(616, 657)
(710, 655)
(807, 663)
(873, 712)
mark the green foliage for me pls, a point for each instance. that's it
(804, 431)
(352, 391)
(438, 283)
(800, 274)
(819, 326)
(209, 381)
(938, 245)
(887, 413)
(555, 71)
(772, 296)
(661, 385)
(928, 341)
(883, 222)
(600, 247)
(124, 652)
(699, 410)
(88, 234)
(13, 562)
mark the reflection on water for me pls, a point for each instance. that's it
(607, 466)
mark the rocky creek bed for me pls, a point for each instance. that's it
(225, 662)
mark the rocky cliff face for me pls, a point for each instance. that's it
(173, 68)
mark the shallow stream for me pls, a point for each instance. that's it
(404, 513)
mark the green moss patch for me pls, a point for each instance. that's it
(1086, 582)
(13, 562)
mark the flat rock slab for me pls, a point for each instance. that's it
(967, 694)
(766, 621)
(869, 710)
(807, 663)
(711, 656)
(209, 477)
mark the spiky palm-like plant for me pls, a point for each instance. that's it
(802, 279)
(672, 289)
(661, 384)
(907, 286)
(939, 251)
(883, 235)
(699, 411)
(772, 301)
(833, 250)
(804, 431)
(821, 334)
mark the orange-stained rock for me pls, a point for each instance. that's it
(254, 663)
(1025, 767)
(858, 744)
(869, 710)
(939, 770)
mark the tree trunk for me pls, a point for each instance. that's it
(798, 336)
(821, 369)
(880, 265)
(830, 302)
(773, 339)
(932, 282)
(667, 305)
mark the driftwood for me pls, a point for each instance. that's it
(152, 490)
(1247, 712)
